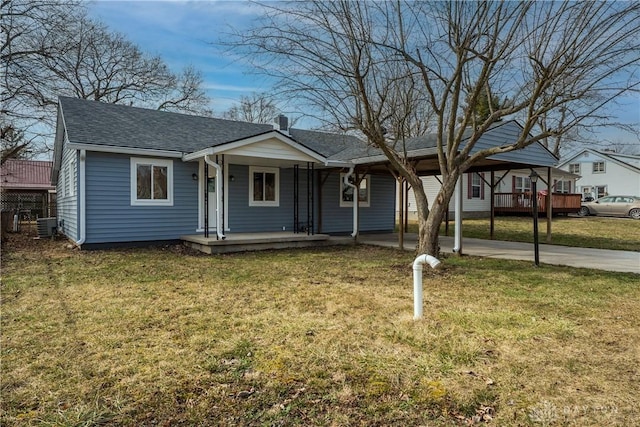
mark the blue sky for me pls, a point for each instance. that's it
(184, 32)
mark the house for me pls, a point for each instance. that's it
(126, 175)
(604, 172)
(476, 190)
(26, 188)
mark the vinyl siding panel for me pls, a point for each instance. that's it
(110, 216)
(379, 216)
(534, 154)
(469, 205)
(246, 219)
(243, 218)
(67, 201)
(271, 149)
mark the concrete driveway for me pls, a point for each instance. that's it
(600, 259)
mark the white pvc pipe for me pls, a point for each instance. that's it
(417, 281)
(219, 178)
(356, 200)
(457, 194)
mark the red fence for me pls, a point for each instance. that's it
(522, 202)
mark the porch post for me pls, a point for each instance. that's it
(493, 203)
(401, 213)
(296, 210)
(313, 210)
(221, 207)
(206, 199)
(549, 205)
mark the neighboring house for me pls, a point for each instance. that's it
(476, 191)
(604, 172)
(26, 188)
(127, 174)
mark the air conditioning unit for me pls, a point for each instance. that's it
(47, 227)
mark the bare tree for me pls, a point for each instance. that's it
(558, 63)
(53, 48)
(257, 108)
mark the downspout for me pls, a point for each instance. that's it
(82, 197)
(417, 281)
(219, 207)
(356, 198)
(457, 247)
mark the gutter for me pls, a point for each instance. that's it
(82, 197)
(219, 179)
(356, 200)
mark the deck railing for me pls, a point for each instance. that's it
(521, 202)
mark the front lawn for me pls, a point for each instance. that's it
(311, 337)
(590, 232)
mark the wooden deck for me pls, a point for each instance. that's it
(512, 203)
(243, 242)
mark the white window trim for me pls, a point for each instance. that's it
(62, 183)
(477, 185)
(562, 186)
(523, 187)
(135, 161)
(573, 169)
(72, 178)
(345, 204)
(264, 203)
(593, 167)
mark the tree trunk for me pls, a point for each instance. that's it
(429, 224)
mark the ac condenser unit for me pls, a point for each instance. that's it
(47, 227)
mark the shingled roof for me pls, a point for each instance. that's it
(119, 126)
(99, 123)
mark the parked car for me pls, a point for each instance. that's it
(612, 206)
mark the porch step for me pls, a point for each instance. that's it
(243, 242)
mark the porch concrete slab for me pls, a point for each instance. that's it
(243, 242)
(599, 259)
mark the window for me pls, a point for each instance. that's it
(574, 168)
(61, 185)
(521, 184)
(601, 191)
(151, 182)
(476, 186)
(563, 187)
(264, 186)
(346, 192)
(598, 167)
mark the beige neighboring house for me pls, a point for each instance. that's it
(476, 192)
(604, 172)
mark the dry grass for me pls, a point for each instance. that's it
(311, 337)
(588, 232)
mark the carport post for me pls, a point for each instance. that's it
(457, 247)
(549, 204)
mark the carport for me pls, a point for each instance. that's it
(422, 152)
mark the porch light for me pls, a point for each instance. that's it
(194, 176)
(534, 204)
